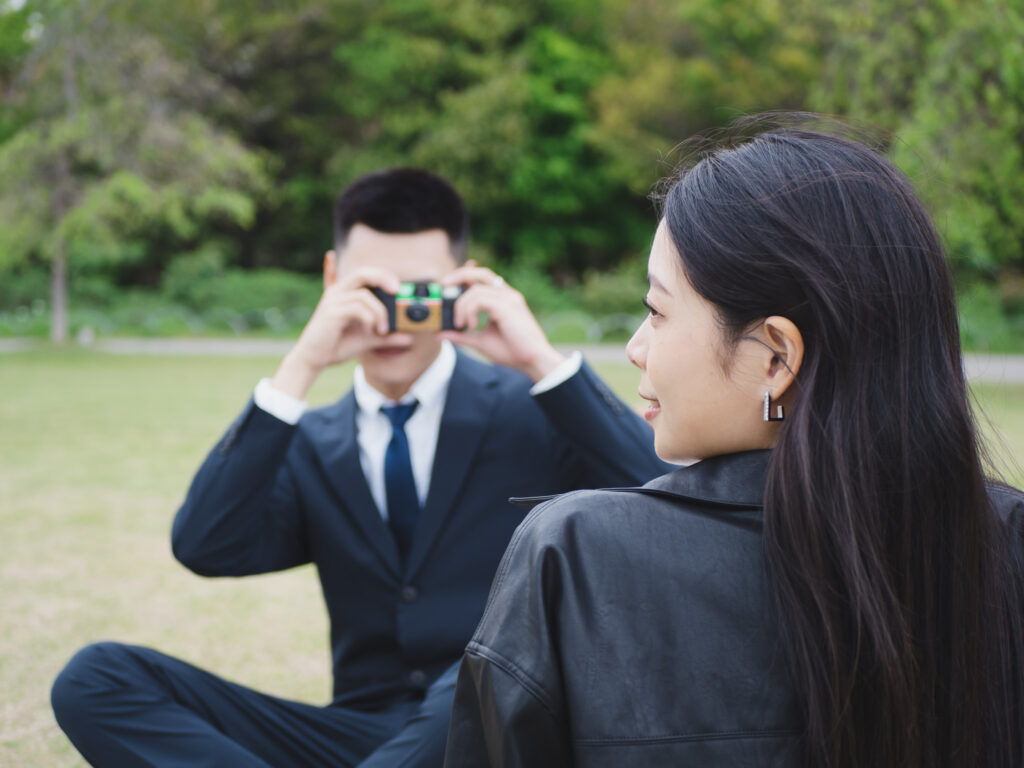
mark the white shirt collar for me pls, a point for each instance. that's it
(429, 389)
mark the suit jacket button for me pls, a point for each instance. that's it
(418, 677)
(409, 594)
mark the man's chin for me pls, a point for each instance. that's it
(392, 368)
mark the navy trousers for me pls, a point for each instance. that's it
(125, 706)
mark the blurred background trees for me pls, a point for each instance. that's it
(172, 161)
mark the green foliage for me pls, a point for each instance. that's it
(135, 135)
(497, 98)
(615, 291)
(682, 68)
(129, 176)
(966, 118)
(113, 165)
(199, 282)
(20, 287)
(984, 325)
(191, 279)
(877, 50)
(552, 117)
(541, 292)
(947, 79)
(14, 45)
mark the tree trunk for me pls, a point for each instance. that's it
(59, 270)
(59, 295)
(62, 203)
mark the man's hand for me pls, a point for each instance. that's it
(347, 320)
(512, 335)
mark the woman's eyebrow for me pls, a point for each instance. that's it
(656, 283)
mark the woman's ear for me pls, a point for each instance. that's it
(785, 338)
(330, 269)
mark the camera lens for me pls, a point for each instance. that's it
(417, 313)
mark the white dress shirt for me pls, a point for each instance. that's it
(374, 428)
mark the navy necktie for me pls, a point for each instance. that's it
(403, 501)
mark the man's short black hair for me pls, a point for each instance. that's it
(402, 201)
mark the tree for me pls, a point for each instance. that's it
(684, 68)
(14, 44)
(551, 117)
(947, 79)
(117, 150)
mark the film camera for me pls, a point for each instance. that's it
(421, 306)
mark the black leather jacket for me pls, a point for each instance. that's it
(632, 628)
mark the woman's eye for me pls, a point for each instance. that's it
(652, 310)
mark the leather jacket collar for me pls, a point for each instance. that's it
(735, 480)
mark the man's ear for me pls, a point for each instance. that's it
(330, 269)
(785, 338)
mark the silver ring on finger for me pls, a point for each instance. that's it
(498, 281)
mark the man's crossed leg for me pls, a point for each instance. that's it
(125, 706)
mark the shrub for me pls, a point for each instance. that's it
(984, 325)
(618, 291)
(19, 288)
(200, 281)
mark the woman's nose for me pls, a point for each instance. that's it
(636, 349)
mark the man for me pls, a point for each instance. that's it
(398, 493)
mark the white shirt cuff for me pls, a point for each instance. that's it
(565, 371)
(275, 402)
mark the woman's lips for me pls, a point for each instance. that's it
(653, 408)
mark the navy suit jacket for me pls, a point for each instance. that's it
(272, 496)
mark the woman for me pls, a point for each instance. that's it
(834, 583)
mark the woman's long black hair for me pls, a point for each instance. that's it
(897, 594)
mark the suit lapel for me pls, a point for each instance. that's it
(467, 412)
(338, 452)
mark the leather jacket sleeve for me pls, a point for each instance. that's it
(498, 720)
(509, 710)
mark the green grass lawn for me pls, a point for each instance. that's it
(95, 456)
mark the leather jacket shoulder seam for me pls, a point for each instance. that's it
(510, 668)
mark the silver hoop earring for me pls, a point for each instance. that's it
(779, 410)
